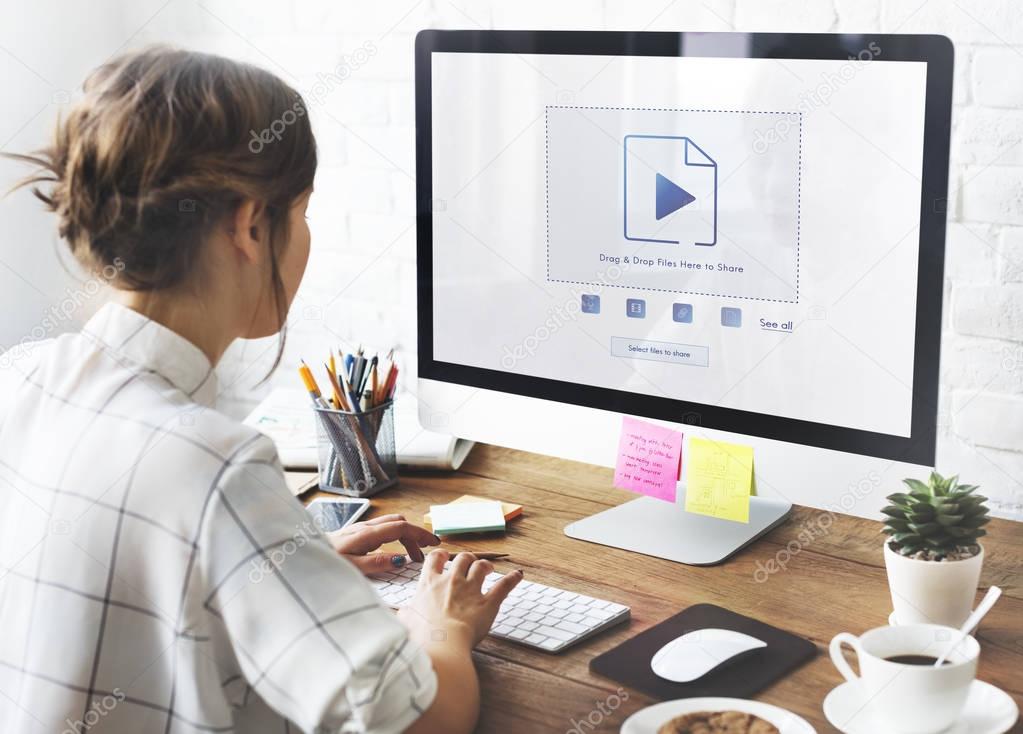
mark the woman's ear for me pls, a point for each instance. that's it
(249, 231)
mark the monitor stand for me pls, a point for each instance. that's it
(656, 528)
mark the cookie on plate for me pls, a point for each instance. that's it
(717, 722)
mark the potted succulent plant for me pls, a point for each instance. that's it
(932, 554)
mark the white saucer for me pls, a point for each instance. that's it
(988, 710)
(649, 720)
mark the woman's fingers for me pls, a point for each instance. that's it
(372, 537)
(375, 563)
(382, 519)
(478, 571)
(413, 549)
(500, 590)
(434, 563)
(460, 566)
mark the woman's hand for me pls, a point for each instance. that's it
(448, 616)
(450, 605)
(358, 541)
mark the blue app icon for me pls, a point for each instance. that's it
(635, 308)
(590, 303)
(682, 313)
(731, 316)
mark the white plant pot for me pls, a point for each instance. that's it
(932, 592)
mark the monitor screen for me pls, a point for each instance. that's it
(722, 231)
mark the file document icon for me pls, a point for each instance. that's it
(669, 191)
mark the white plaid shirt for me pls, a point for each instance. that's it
(155, 573)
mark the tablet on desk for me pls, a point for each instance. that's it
(332, 514)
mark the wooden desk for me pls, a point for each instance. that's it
(833, 581)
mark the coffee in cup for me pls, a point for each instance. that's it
(904, 693)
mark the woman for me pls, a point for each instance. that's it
(132, 513)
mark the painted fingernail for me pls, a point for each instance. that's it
(398, 561)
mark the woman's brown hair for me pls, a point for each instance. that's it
(161, 148)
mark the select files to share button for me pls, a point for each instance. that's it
(690, 354)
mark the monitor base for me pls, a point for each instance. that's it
(656, 528)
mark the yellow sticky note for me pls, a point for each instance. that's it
(718, 479)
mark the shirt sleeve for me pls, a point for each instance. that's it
(308, 631)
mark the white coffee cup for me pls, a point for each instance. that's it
(910, 699)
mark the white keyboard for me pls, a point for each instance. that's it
(533, 614)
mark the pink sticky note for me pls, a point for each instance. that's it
(649, 458)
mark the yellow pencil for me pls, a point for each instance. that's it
(310, 382)
(339, 401)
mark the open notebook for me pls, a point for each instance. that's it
(286, 417)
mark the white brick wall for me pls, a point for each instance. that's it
(361, 281)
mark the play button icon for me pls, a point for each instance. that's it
(670, 197)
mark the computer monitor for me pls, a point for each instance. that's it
(739, 234)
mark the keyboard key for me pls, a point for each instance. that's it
(551, 644)
(536, 639)
(501, 629)
(574, 617)
(555, 633)
(518, 634)
(575, 629)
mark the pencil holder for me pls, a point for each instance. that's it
(356, 451)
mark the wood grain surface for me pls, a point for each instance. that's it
(818, 574)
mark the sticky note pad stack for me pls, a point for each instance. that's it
(510, 510)
(467, 517)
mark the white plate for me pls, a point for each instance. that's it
(988, 710)
(649, 720)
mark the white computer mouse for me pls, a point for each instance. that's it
(696, 653)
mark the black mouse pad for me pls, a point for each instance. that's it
(629, 663)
